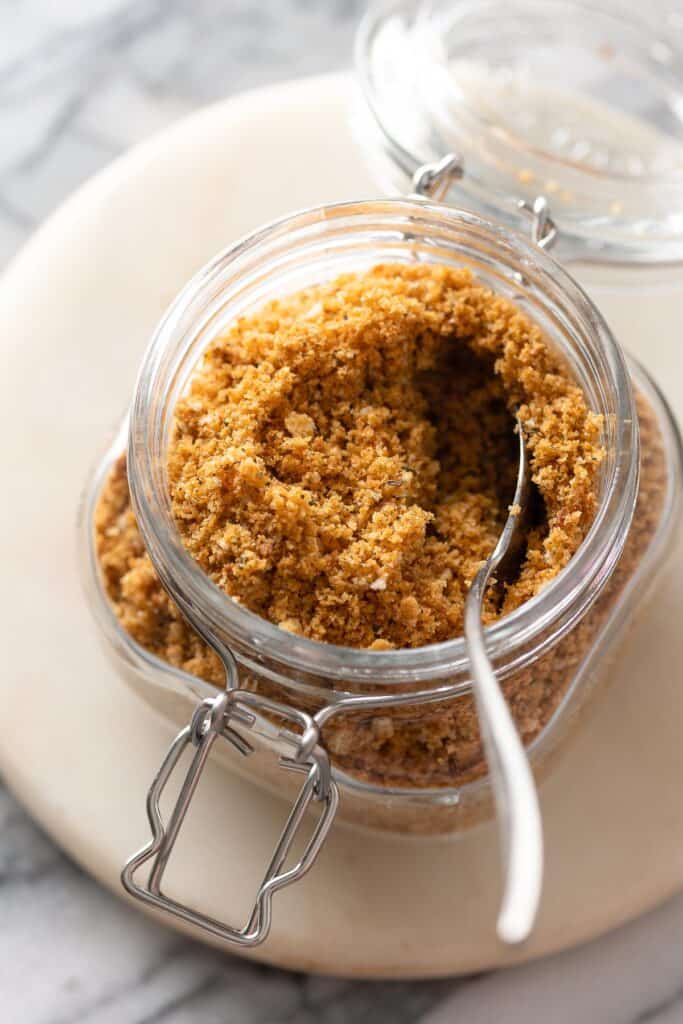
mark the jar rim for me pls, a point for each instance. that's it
(419, 111)
(163, 374)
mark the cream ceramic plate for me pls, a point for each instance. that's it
(76, 309)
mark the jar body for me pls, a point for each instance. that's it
(392, 763)
(381, 792)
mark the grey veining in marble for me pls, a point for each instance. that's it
(80, 80)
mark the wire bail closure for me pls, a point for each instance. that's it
(213, 719)
(433, 181)
(543, 227)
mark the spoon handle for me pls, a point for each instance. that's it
(514, 788)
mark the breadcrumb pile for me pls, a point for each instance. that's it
(344, 459)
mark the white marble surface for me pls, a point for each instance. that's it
(80, 80)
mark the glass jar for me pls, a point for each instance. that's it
(581, 103)
(529, 136)
(564, 634)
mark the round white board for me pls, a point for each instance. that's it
(76, 309)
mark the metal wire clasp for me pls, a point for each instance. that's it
(434, 180)
(543, 227)
(212, 720)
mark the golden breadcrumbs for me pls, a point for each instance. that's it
(343, 462)
(344, 458)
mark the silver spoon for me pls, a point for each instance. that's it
(514, 789)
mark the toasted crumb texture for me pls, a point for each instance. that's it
(344, 458)
(384, 399)
(440, 745)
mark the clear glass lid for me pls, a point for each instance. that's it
(579, 102)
